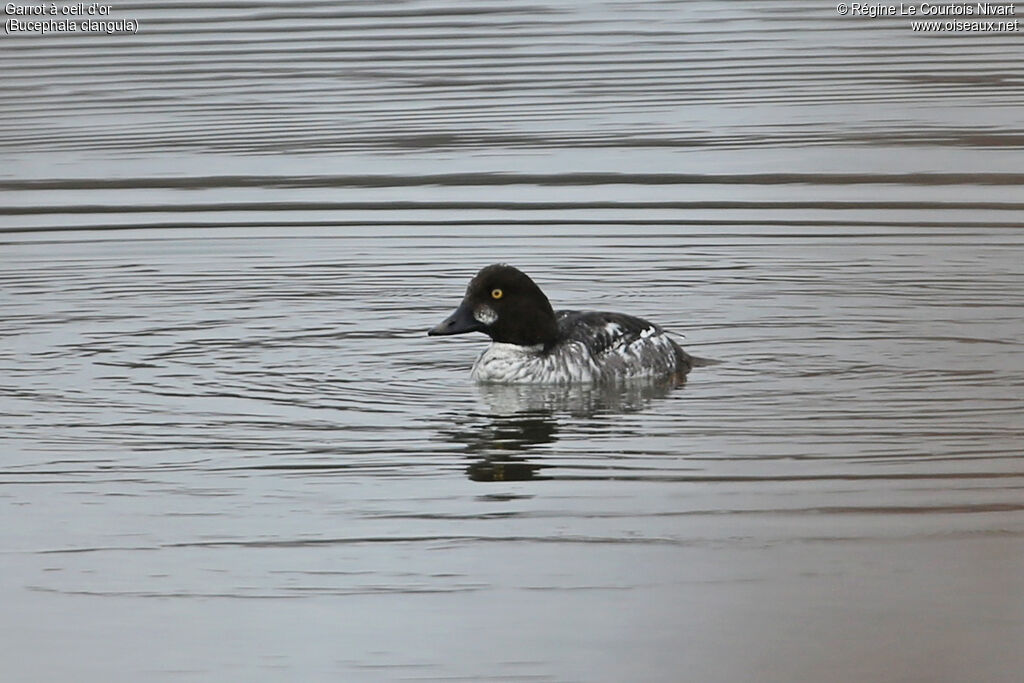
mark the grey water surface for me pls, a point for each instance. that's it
(228, 450)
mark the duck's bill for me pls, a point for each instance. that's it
(459, 322)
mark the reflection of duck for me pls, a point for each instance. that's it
(531, 343)
(511, 469)
(581, 400)
(493, 444)
(524, 418)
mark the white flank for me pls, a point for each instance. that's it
(572, 362)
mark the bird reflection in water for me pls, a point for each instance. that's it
(523, 418)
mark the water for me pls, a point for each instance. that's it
(230, 452)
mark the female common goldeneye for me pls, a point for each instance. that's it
(531, 343)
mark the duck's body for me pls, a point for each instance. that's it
(531, 343)
(591, 347)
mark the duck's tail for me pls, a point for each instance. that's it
(698, 362)
(687, 361)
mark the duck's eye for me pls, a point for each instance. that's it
(497, 293)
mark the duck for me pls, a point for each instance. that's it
(531, 343)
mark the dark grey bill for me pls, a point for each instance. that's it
(459, 322)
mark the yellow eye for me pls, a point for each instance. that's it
(497, 293)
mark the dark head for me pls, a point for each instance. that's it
(506, 305)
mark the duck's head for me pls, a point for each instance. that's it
(506, 305)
